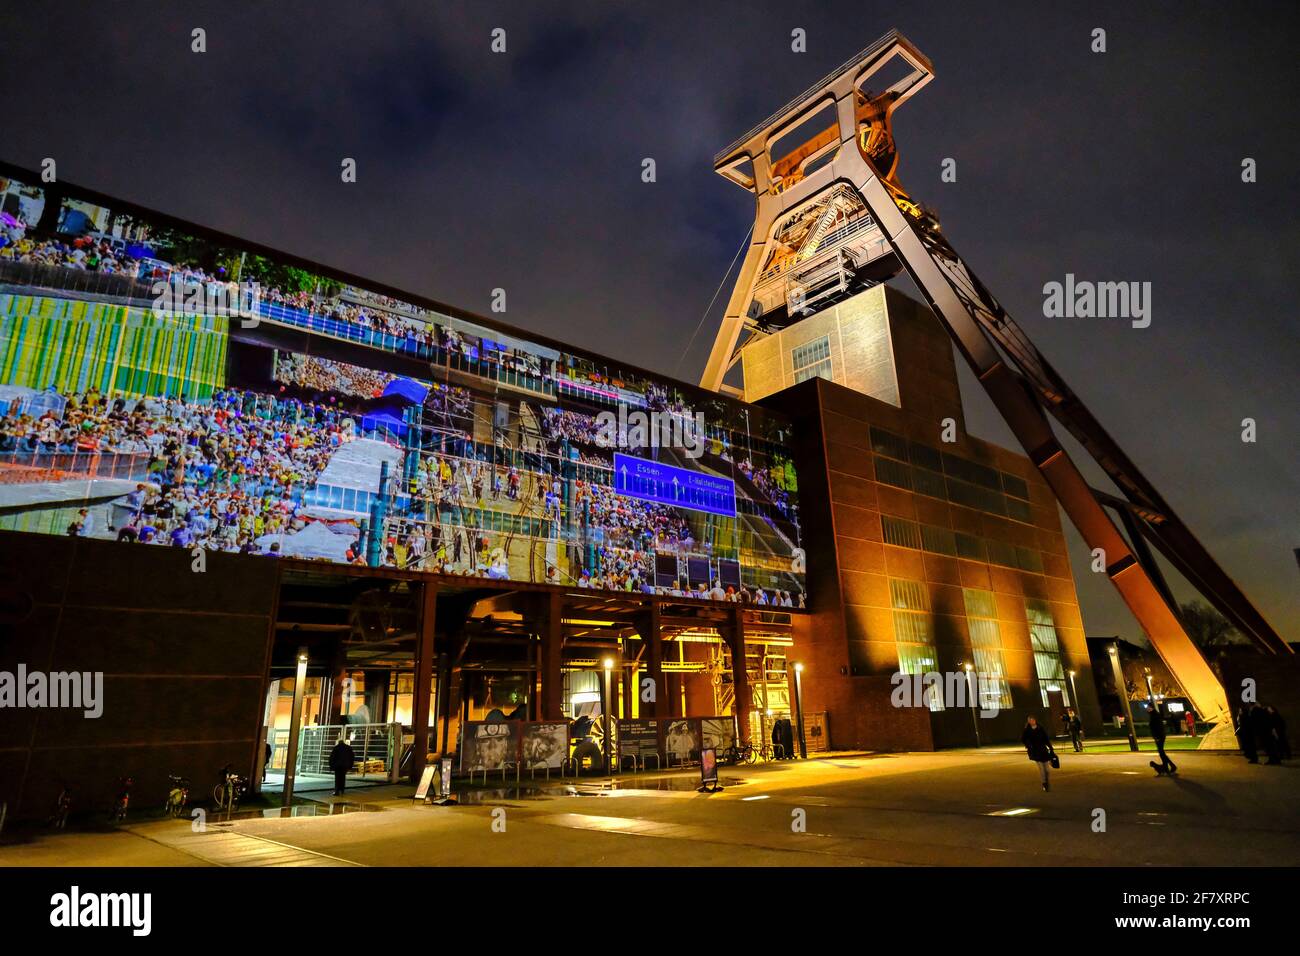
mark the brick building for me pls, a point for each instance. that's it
(925, 555)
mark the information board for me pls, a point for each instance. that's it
(669, 485)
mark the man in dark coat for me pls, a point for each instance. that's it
(1265, 731)
(1039, 747)
(1279, 732)
(1158, 734)
(1074, 727)
(341, 760)
(1246, 733)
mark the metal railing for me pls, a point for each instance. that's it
(87, 464)
(376, 748)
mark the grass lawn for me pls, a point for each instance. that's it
(1110, 745)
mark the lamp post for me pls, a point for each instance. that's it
(1074, 691)
(798, 708)
(605, 706)
(1122, 689)
(1151, 693)
(970, 695)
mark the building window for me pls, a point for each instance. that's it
(938, 540)
(914, 634)
(888, 444)
(1029, 560)
(899, 532)
(1015, 487)
(1019, 510)
(928, 482)
(889, 472)
(969, 546)
(1047, 650)
(1002, 553)
(812, 360)
(986, 647)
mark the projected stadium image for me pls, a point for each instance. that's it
(159, 387)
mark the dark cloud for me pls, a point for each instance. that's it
(522, 171)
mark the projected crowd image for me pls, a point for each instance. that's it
(345, 425)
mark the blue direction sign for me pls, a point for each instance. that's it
(651, 481)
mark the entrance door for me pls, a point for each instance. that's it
(1056, 712)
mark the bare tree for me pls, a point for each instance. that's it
(1208, 629)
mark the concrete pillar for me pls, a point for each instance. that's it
(332, 709)
(552, 632)
(295, 726)
(443, 698)
(629, 688)
(739, 673)
(649, 629)
(698, 684)
(423, 683)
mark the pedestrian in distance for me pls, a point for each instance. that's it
(1279, 732)
(1039, 747)
(341, 760)
(1074, 726)
(1246, 733)
(1266, 732)
(1158, 734)
(1190, 720)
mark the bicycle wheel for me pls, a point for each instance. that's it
(219, 796)
(751, 755)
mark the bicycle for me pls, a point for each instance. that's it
(59, 819)
(122, 800)
(741, 753)
(178, 797)
(226, 794)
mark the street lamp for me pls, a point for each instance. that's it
(1151, 693)
(1074, 691)
(609, 671)
(1122, 689)
(970, 695)
(798, 708)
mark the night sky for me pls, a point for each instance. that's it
(523, 171)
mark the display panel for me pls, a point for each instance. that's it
(160, 385)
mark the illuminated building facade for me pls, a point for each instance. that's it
(928, 549)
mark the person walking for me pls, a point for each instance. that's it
(341, 760)
(1039, 747)
(1190, 720)
(1158, 734)
(1074, 726)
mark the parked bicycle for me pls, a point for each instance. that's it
(739, 753)
(178, 797)
(122, 800)
(227, 793)
(59, 818)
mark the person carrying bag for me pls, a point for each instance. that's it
(1039, 748)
